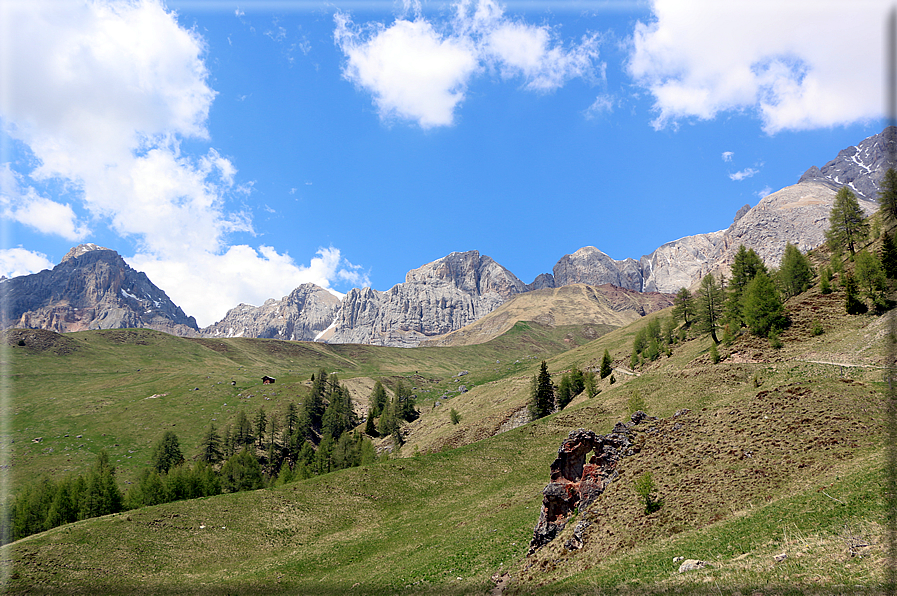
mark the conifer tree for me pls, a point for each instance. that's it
(370, 429)
(542, 398)
(762, 307)
(379, 398)
(210, 446)
(870, 276)
(683, 306)
(261, 425)
(887, 196)
(745, 266)
(889, 255)
(852, 304)
(847, 222)
(167, 452)
(710, 305)
(796, 273)
(606, 365)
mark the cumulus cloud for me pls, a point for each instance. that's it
(794, 68)
(23, 204)
(18, 261)
(208, 287)
(763, 192)
(603, 104)
(103, 93)
(745, 173)
(727, 155)
(419, 71)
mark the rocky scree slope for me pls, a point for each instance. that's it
(91, 288)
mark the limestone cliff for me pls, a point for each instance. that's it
(300, 316)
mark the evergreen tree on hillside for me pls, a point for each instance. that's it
(370, 429)
(847, 222)
(852, 304)
(606, 365)
(796, 272)
(167, 452)
(887, 196)
(405, 403)
(242, 431)
(888, 255)
(542, 397)
(210, 446)
(261, 426)
(683, 306)
(709, 305)
(870, 276)
(745, 266)
(762, 307)
(379, 399)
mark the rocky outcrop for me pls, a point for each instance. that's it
(301, 316)
(92, 288)
(439, 297)
(575, 483)
(590, 266)
(860, 167)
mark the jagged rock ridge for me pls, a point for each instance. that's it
(300, 316)
(439, 297)
(91, 288)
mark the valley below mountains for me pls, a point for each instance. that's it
(93, 287)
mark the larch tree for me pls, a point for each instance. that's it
(847, 222)
(710, 299)
(887, 196)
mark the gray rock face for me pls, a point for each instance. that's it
(439, 297)
(797, 214)
(590, 266)
(92, 288)
(860, 167)
(301, 316)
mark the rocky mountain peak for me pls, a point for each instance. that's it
(470, 272)
(81, 249)
(860, 167)
(91, 288)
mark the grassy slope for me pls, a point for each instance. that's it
(100, 385)
(418, 524)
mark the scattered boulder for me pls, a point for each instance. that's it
(692, 564)
(780, 557)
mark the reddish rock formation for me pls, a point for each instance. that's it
(576, 484)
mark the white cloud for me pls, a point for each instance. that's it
(411, 70)
(745, 173)
(18, 261)
(727, 155)
(602, 104)
(23, 204)
(419, 71)
(213, 284)
(763, 192)
(103, 93)
(796, 68)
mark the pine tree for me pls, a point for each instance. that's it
(796, 272)
(606, 365)
(379, 398)
(745, 266)
(710, 305)
(564, 393)
(852, 303)
(888, 255)
(683, 306)
(261, 425)
(210, 446)
(887, 196)
(370, 428)
(542, 398)
(242, 431)
(167, 452)
(762, 307)
(870, 275)
(847, 222)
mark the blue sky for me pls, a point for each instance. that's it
(233, 150)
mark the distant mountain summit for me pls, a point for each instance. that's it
(91, 288)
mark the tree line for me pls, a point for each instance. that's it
(314, 437)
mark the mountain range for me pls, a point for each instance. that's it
(93, 288)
